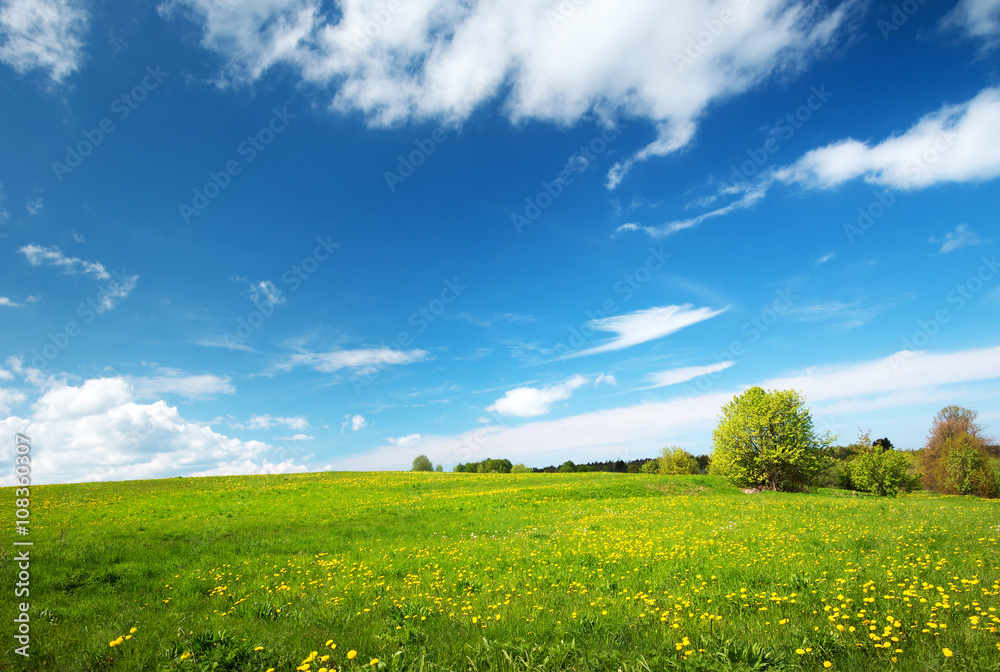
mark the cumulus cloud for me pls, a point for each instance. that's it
(405, 441)
(960, 237)
(356, 422)
(683, 374)
(444, 58)
(957, 143)
(9, 398)
(645, 325)
(44, 35)
(362, 361)
(98, 431)
(608, 378)
(527, 402)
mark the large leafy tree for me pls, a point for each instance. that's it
(766, 439)
(953, 427)
(422, 463)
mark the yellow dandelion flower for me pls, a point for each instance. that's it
(373, 661)
(328, 642)
(352, 654)
(258, 648)
(947, 652)
(186, 655)
(827, 663)
(800, 652)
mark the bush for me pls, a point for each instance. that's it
(519, 469)
(674, 460)
(567, 467)
(879, 469)
(766, 439)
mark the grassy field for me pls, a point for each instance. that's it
(437, 571)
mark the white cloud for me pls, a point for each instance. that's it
(356, 422)
(107, 297)
(268, 421)
(10, 303)
(43, 35)
(96, 431)
(979, 19)
(406, 441)
(262, 292)
(684, 373)
(443, 58)
(53, 256)
(34, 206)
(192, 387)
(297, 437)
(638, 431)
(362, 361)
(825, 258)
(644, 325)
(9, 398)
(608, 378)
(528, 402)
(960, 237)
(957, 143)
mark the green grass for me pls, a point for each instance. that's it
(585, 571)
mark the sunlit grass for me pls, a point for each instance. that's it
(540, 572)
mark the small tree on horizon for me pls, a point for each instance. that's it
(676, 461)
(422, 463)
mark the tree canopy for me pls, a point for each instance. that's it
(766, 439)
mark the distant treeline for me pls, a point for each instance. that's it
(503, 466)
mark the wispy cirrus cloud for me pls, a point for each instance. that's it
(683, 374)
(109, 295)
(646, 325)
(361, 361)
(961, 236)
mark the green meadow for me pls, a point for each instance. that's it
(441, 571)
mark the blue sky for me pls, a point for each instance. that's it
(261, 236)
